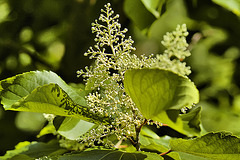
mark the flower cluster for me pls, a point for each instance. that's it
(112, 58)
(176, 51)
(112, 54)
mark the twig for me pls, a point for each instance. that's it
(138, 129)
(164, 125)
(131, 140)
(164, 153)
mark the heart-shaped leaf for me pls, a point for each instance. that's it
(158, 93)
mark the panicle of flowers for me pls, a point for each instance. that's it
(112, 58)
(176, 51)
(176, 43)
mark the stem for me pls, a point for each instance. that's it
(130, 139)
(138, 129)
(109, 33)
(164, 153)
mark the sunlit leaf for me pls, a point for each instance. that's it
(52, 99)
(35, 92)
(14, 88)
(20, 147)
(219, 146)
(159, 94)
(48, 129)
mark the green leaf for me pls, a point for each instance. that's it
(21, 157)
(35, 92)
(149, 133)
(154, 6)
(172, 119)
(157, 148)
(219, 146)
(185, 156)
(150, 141)
(48, 129)
(72, 128)
(34, 150)
(137, 12)
(52, 99)
(20, 147)
(14, 88)
(159, 94)
(232, 5)
(192, 121)
(111, 155)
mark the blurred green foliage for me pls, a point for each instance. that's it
(53, 35)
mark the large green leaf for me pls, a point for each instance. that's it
(51, 150)
(14, 88)
(159, 94)
(111, 155)
(35, 92)
(52, 99)
(218, 146)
